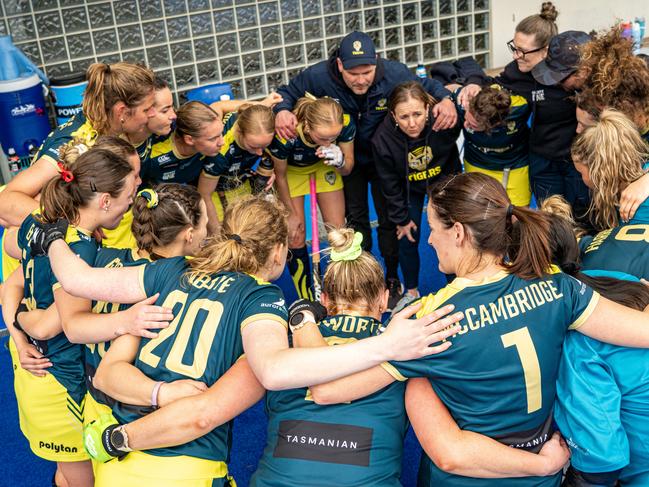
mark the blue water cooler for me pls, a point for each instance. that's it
(23, 115)
(67, 95)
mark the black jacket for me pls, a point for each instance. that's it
(367, 111)
(406, 165)
(553, 113)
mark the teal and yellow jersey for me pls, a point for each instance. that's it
(204, 339)
(351, 444)
(300, 152)
(602, 407)
(77, 127)
(232, 164)
(40, 283)
(499, 377)
(109, 258)
(164, 163)
(505, 146)
(623, 249)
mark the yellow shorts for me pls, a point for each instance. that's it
(230, 196)
(327, 179)
(139, 469)
(9, 264)
(94, 409)
(518, 185)
(122, 236)
(50, 419)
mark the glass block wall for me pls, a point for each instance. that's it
(256, 46)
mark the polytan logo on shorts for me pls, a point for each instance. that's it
(324, 442)
(57, 448)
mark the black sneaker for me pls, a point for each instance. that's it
(396, 291)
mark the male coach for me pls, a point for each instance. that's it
(362, 82)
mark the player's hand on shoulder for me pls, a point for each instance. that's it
(144, 316)
(409, 339)
(445, 115)
(172, 391)
(633, 196)
(46, 233)
(467, 93)
(285, 124)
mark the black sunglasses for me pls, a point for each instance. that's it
(515, 50)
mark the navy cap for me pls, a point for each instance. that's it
(356, 49)
(562, 59)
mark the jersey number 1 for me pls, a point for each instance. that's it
(522, 340)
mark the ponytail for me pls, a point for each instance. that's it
(110, 84)
(93, 172)
(160, 214)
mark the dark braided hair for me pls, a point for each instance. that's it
(178, 206)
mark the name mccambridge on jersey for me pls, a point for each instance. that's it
(510, 305)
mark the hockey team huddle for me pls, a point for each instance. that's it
(141, 247)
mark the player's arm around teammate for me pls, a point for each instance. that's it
(470, 454)
(274, 364)
(124, 108)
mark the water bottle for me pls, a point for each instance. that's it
(420, 71)
(14, 161)
(262, 175)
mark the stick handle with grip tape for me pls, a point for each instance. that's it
(315, 240)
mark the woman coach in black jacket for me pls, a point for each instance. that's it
(409, 157)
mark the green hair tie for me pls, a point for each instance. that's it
(150, 196)
(351, 253)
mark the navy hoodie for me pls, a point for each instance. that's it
(324, 79)
(406, 165)
(553, 113)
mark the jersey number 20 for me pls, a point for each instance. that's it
(174, 362)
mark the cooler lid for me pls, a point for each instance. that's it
(67, 79)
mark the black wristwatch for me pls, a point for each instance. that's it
(119, 439)
(299, 319)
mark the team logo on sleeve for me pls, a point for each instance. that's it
(330, 177)
(419, 158)
(511, 127)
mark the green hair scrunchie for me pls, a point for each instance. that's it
(150, 196)
(351, 253)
